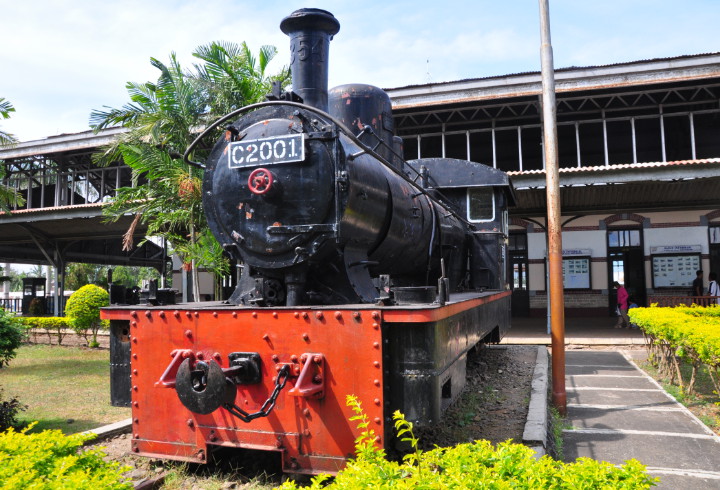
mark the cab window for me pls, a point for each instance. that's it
(480, 204)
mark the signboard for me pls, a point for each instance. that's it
(267, 151)
(676, 249)
(576, 272)
(673, 271)
(576, 251)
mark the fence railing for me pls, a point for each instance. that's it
(74, 186)
(14, 305)
(683, 300)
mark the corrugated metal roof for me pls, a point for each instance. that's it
(629, 166)
(561, 70)
(682, 184)
(58, 208)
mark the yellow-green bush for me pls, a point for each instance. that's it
(692, 328)
(689, 333)
(51, 324)
(83, 311)
(52, 460)
(471, 465)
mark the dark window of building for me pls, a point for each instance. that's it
(567, 146)
(456, 146)
(707, 129)
(410, 148)
(678, 145)
(619, 142)
(517, 241)
(648, 140)
(714, 235)
(431, 146)
(592, 149)
(532, 158)
(506, 147)
(481, 149)
(624, 238)
(714, 232)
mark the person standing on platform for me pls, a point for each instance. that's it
(697, 288)
(713, 289)
(622, 306)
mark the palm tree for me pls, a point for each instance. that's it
(162, 119)
(232, 77)
(6, 139)
(8, 196)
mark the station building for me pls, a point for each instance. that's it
(639, 156)
(639, 151)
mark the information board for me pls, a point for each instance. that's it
(576, 273)
(673, 271)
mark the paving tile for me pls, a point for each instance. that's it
(651, 450)
(610, 381)
(655, 398)
(633, 419)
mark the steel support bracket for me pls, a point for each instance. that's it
(167, 380)
(311, 381)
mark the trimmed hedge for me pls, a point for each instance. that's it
(471, 465)
(52, 460)
(691, 334)
(51, 324)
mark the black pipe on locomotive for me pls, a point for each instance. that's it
(318, 206)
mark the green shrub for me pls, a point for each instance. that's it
(83, 311)
(11, 336)
(9, 411)
(471, 465)
(51, 324)
(37, 307)
(51, 460)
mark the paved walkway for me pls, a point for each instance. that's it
(617, 412)
(578, 331)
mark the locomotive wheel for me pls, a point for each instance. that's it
(205, 388)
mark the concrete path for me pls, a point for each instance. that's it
(617, 412)
(578, 331)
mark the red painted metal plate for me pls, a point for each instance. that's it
(314, 435)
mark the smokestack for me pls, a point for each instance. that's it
(310, 31)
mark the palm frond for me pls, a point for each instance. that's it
(6, 139)
(5, 108)
(267, 53)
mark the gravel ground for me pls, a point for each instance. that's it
(493, 406)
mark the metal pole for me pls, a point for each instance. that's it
(554, 228)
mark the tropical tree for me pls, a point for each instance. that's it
(162, 120)
(8, 196)
(79, 274)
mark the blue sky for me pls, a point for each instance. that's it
(60, 59)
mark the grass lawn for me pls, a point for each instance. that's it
(66, 388)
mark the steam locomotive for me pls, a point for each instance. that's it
(362, 274)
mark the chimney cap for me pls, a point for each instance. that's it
(310, 18)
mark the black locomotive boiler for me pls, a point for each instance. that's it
(362, 274)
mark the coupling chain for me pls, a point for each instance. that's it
(269, 404)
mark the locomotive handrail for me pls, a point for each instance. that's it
(335, 121)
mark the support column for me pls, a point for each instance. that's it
(554, 226)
